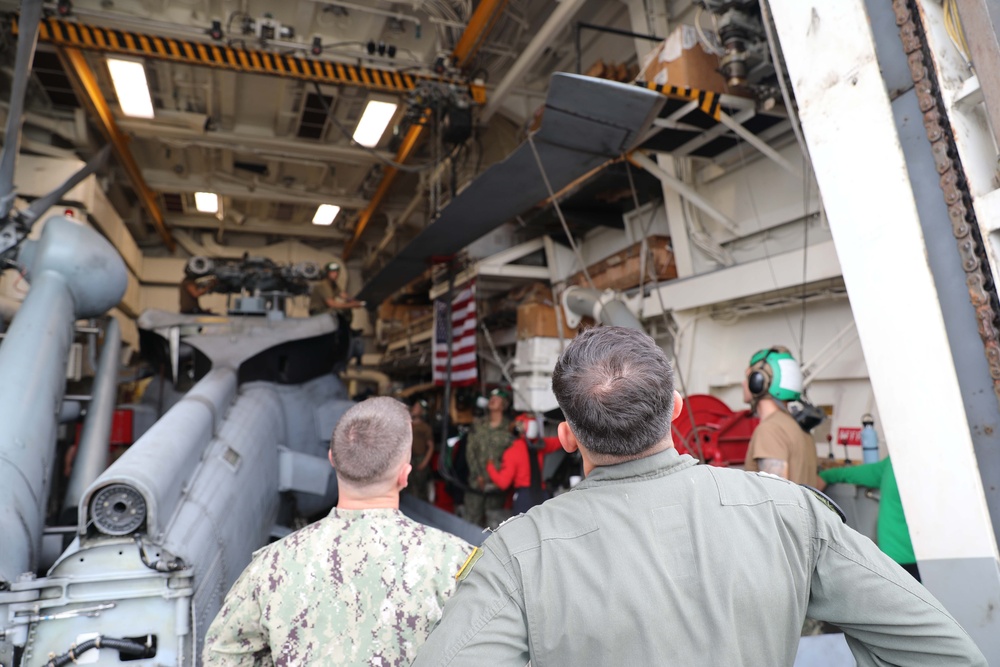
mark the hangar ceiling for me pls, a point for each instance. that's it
(273, 139)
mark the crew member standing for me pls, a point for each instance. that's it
(423, 450)
(328, 297)
(363, 586)
(489, 438)
(893, 533)
(778, 445)
(191, 289)
(522, 465)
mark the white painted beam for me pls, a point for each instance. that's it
(250, 226)
(686, 191)
(743, 280)
(856, 151)
(266, 146)
(166, 181)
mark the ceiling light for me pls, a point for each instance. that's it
(206, 202)
(325, 214)
(129, 79)
(373, 122)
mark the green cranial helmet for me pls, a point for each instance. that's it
(774, 371)
(332, 266)
(499, 391)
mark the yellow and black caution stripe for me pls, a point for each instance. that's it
(122, 42)
(707, 101)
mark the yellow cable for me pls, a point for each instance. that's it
(953, 26)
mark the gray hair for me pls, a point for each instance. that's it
(370, 440)
(616, 390)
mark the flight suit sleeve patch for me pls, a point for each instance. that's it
(828, 501)
(476, 554)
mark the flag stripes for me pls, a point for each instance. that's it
(463, 338)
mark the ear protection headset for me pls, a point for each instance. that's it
(760, 377)
(774, 372)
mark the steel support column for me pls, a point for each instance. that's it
(875, 169)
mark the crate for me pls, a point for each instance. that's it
(680, 61)
(620, 271)
(538, 320)
(402, 312)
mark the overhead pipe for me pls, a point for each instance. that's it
(92, 453)
(368, 375)
(74, 273)
(559, 18)
(604, 307)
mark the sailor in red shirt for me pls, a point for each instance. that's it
(516, 466)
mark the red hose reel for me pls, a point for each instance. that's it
(720, 437)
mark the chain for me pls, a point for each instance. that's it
(971, 250)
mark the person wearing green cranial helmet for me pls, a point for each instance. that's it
(489, 439)
(778, 445)
(779, 374)
(502, 393)
(329, 297)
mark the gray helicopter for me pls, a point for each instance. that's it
(156, 539)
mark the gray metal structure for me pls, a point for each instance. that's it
(163, 533)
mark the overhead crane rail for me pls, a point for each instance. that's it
(252, 61)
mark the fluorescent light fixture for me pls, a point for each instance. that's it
(373, 122)
(325, 214)
(206, 202)
(129, 79)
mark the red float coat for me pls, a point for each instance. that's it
(515, 469)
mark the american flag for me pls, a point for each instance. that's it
(463, 341)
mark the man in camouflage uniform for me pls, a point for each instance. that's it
(363, 586)
(489, 439)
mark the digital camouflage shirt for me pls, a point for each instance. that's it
(360, 587)
(486, 444)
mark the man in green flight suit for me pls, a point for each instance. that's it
(656, 560)
(489, 439)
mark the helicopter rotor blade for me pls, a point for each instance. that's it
(44, 203)
(27, 39)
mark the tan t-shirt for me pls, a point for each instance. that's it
(422, 439)
(321, 291)
(780, 437)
